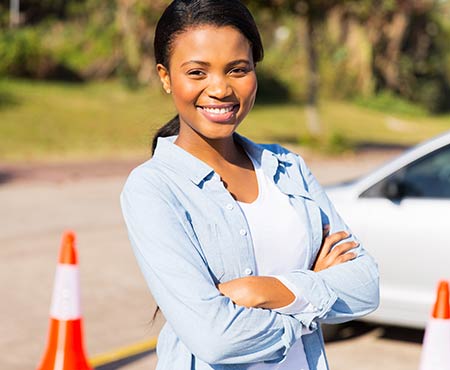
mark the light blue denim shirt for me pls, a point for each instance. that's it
(189, 234)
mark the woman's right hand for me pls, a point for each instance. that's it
(329, 256)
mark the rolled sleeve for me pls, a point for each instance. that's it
(342, 292)
(299, 304)
(210, 325)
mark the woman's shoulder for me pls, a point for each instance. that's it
(147, 177)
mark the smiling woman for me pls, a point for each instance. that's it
(213, 82)
(236, 240)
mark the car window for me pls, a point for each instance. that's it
(428, 177)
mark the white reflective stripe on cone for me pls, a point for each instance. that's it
(66, 293)
(436, 346)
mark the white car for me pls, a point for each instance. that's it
(401, 214)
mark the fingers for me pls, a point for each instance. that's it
(337, 237)
(344, 248)
(330, 241)
(342, 253)
(331, 254)
(344, 258)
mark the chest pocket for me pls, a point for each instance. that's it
(208, 238)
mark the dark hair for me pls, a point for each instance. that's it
(181, 15)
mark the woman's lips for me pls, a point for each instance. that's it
(219, 113)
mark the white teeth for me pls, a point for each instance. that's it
(218, 110)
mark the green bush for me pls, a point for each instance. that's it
(386, 101)
(22, 53)
(80, 45)
(434, 95)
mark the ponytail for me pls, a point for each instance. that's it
(171, 128)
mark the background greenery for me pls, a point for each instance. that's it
(77, 77)
(54, 120)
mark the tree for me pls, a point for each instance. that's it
(312, 13)
(408, 47)
(136, 21)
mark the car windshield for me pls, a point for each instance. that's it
(427, 177)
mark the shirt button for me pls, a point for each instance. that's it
(243, 232)
(248, 271)
(230, 206)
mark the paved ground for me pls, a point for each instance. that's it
(39, 202)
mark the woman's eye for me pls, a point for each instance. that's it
(196, 73)
(239, 71)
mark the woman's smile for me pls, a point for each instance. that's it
(219, 113)
(213, 82)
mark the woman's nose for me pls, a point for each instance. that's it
(218, 87)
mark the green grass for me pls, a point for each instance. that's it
(387, 101)
(342, 120)
(51, 121)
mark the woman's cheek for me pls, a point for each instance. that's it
(188, 88)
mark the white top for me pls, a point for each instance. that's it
(276, 231)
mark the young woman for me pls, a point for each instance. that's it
(232, 236)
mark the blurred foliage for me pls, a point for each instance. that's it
(387, 101)
(54, 121)
(21, 53)
(367, 46)
(355, 49)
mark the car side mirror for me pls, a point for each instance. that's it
(394, 189)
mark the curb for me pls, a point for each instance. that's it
(121, 356)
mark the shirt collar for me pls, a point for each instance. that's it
(197, 171)
(275, 166)
(269, 160)
(180, 160)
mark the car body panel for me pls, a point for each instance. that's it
(409, 238)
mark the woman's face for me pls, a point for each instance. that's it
(212, 79)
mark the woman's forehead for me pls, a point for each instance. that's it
(210, 44)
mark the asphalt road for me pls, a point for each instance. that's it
(117, 307)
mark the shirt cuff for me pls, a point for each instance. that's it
(298, 305)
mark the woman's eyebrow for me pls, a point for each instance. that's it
(206, 64)
(239, 61)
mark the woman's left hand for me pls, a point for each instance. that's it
(330, 254)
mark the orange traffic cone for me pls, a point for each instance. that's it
(436, 342)
(65, 349)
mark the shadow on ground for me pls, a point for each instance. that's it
(5, 177)
(403, 334)
(374, 146)
(7, 100)
(124, 361)
(354, 329)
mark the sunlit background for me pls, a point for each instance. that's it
(80, 102)
(77, 78)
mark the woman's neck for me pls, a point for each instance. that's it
(228, 159)
(215, 152)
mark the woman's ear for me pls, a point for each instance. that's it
(164, 77)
